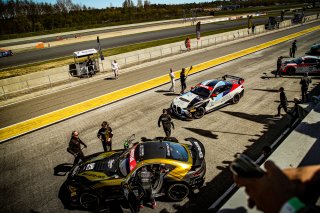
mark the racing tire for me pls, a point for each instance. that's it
(291, 71)
(89, 200)
(199, 113)
(178, 191)
(236, 98)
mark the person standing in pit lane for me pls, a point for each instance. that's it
(145, 180)
(75, 147)
(171, 74)
(293, 48)
(183, 79)
(105, 134)
(305, 81)
(279, 62)
(165, 119)
(283, 102)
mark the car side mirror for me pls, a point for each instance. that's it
(213, 95)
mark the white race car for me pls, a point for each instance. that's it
(208, 96)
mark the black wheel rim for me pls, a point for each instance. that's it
(179, 192)
(199, 112)
(89, 201)
(236, 98)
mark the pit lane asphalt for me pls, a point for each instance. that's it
(28, 163)
(67, 50)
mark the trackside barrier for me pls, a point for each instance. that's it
(12, 87)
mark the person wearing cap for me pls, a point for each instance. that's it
(105, 134)
(75, 147)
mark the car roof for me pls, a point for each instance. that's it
(153, 149)
(210, 83)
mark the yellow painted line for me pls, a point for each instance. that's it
(68, 112)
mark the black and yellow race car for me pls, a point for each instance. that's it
(178, 169)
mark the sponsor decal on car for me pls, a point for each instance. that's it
(132, 161)
(199, 149)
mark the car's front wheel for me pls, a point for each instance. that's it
(236, 98)
(89, 200)
(178, 191)
(199, 113)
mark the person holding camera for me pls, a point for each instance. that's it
(75, 147)
(105, 134)
(286, 191)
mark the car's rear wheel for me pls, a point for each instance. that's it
(178, 191)
(199, 113)
(291, 71)
(89, 200)
(236, 98)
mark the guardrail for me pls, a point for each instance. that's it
(16, 86)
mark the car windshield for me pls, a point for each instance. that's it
(177, 152)
(201, 91)
(297, 60)
(127, 162)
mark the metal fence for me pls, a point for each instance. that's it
(61, 76)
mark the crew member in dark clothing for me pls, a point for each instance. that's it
(283, 101)
(145, 180)
(183, 79)
(89, 65)
(293, 48)
(105, 134)
(75, 147)
(305, 81)
(165, 119)
(279, 62)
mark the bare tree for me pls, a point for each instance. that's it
(139, 3)
(65, 6)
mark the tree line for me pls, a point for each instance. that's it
(24, 16)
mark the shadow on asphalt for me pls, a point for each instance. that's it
(62, 169)
(203, 132)
(109, 79)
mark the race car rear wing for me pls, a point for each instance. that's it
(233, 78)
(198, 147)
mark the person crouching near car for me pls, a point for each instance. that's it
(75, 147)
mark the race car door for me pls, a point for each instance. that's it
(314, 65)
(217, 97)
(132, 196)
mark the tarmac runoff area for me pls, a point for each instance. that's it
(68, 112)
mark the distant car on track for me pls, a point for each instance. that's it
(178, 168)
(208, 96)
(5, 53)
(310, 64)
